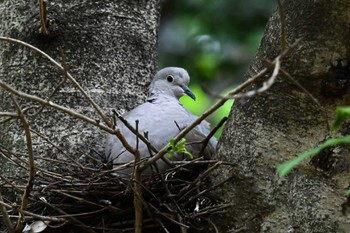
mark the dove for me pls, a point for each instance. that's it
(162, 117)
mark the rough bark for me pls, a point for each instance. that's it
(110, 48)
(270, 128)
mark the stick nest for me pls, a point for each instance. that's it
(67, 195)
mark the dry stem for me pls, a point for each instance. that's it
(31, 164)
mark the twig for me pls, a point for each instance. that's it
(211, 134)
(209, 189)
(59, 149)
(167, 217)
(58, 87)
(77, 85)
(137, 187)
(69, 112)
(43, 17)
(8, 114)
(6, 217)
(139, 135)
(210, 210)
(11, 184)
(212, 223)
(24, 212)
(183, 193)
(71, 217)
(284, 42)
(134, 131)
(81, 200)
(267, 84)
(321, 109)
(11, 115)
(31, 172)
(62, 69)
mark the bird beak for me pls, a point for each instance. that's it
(188, 92)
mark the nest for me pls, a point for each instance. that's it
(68, 195)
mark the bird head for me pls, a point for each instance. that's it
(171, 81)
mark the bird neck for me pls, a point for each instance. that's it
(158, 96)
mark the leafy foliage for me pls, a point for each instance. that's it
(284, 168)
(342, 113)
(178, 148)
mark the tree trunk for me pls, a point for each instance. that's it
(272, 127)
(110, 48)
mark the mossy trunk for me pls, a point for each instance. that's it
(272, 127)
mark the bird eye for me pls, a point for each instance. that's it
(170, 78)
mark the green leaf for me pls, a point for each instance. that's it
(348, 192)
(171, 146)
(178, 148)
(342, 114)
(284, 168)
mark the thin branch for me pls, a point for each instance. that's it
(209, 189)
(59, 149)
(8, 114)
(31, 164)
(183, 193)
(69, 76)
(81, 200)
(23, 212)
(6, 217)
(313, 99)
(58, 87)
(284, 42)
(71, 217)
(134, 131)
(139, 136)
(211, 134)
(43, 17)
(69, 112)
(137, 186)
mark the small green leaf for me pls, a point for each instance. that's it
(348, 192)
(178, 148)
(342, 114)
(284, 168)
(171, 146)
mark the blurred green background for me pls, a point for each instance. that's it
(214, 41)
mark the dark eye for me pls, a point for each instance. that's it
(170, 78)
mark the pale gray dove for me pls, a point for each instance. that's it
(162, 116)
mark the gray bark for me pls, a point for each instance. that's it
(110, 49)
(270, 128)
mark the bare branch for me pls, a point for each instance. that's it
(266, 85)
(313, 99)
(58, 87)
(69, 76)
(137, 186)
(23, 212)
(69, 112)
(6, 217)
(211, 134)
(140, 136)
(134, 131)
(284, 42)
(43, 17)
(31, 174)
